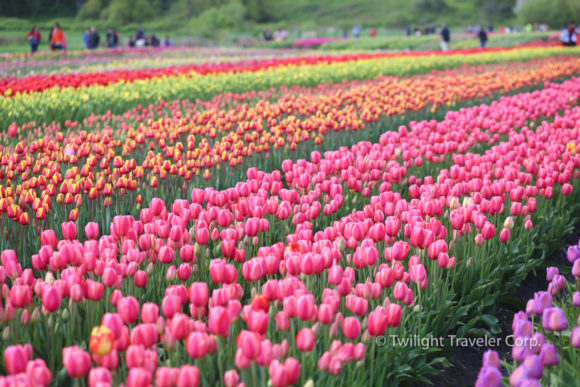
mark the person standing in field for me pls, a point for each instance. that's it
(94, 39)
(86, 37)
(112, 38)
(33, 37)
(445, 37)
(571, 34)
(57, 38)
(482, 37)
(140, 38)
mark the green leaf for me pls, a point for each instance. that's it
(489, 319)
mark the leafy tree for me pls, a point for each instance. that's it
(555, 13)
(129, 11)
(260, 11)
(431, 7)
(501, 8)
(213, 20)
(92, 9)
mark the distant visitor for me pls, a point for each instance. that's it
(33, 37)
(57, 39)
(445, 37)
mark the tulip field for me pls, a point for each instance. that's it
(273, 219)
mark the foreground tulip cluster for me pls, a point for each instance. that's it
(290, 274)
(547, 350)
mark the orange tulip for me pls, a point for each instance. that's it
(102, 341)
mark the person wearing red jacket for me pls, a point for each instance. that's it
(57, 39)
(33, 37)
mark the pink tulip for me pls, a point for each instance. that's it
(15, 359)
(305, 340)
(219, 321)
(51, 299)
(202, 236)
(166, 377)
(377, 323)
(100, 376)
(351, 328)
(282, 321)
(128, 309)
(197, 345)
(504, 235)
(69, 230)
(92, 230)
(180, 326)
(48, 238)
(198, 294)
(139, 377)
(171, 305)
(188, 376)
(393, 312)
(114, 322)
(145, 335)
(76, 361)
(249, 342)
(187, 254)
(149, 313)
(21, 296)
(231, 378)
(166, 255)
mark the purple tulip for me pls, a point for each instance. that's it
(491, 359)
(488, 377)
(573, 253)
(553, 319)
(549, 355)
(575, 337)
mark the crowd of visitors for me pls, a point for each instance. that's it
(92, 39)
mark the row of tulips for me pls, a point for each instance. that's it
(12, 86)
(287, 101)
(74, 104)
(60, 177)
(19, 67)
(115, 53)
(547, 333)
(268, 260)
